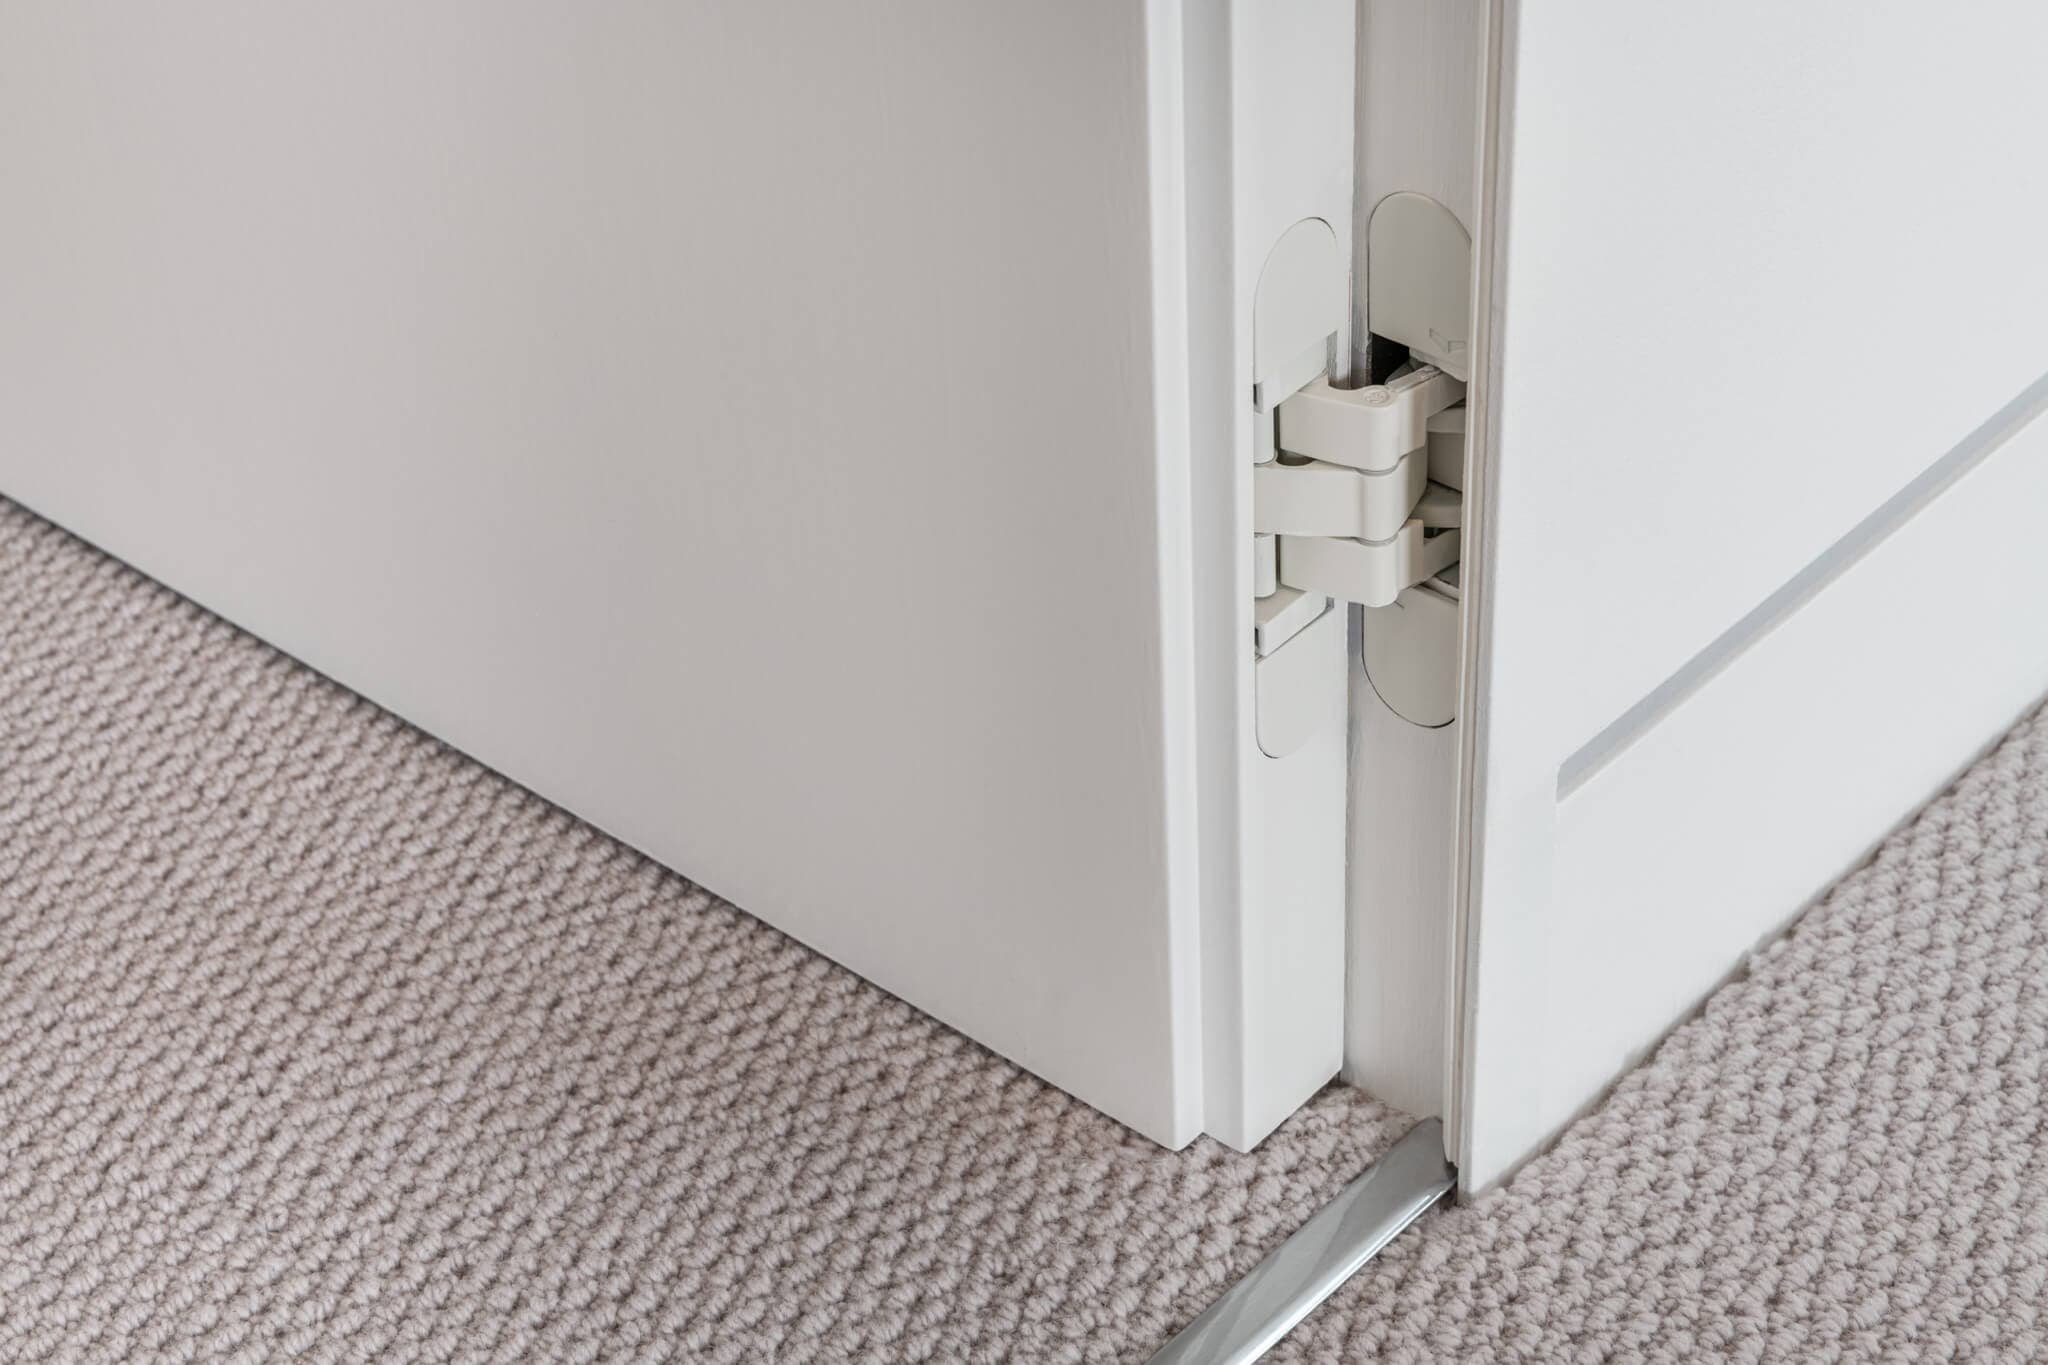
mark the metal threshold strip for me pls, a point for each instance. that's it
(1326, 1251)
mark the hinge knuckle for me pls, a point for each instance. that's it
(1371, 428)
(1356, 492)
(1371, 573)
(1351, 498)
(1315, 498)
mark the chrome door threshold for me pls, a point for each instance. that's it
(1322, 1254)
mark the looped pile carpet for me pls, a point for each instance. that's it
(319, 1041)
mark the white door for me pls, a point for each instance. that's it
(764, 429)
(1764, 469)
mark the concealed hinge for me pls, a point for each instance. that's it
(1356, 492)
(1349, 498)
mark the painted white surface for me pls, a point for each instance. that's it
(746, 425)
(1830, 729)
(1747, 290)
(1410, 653)
(1417, 108)
(1417, 102)
(1273, 872)
(1419, 269)
(1773, 268)
(1397, 955)
(1297, 703)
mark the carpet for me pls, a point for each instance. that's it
(320, 1041)
(1841, 1158)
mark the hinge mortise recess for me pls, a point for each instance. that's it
(1357, 493)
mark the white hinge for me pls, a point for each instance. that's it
(1349, 498)
(1356, 493)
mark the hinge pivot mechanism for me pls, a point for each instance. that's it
(1350, 498)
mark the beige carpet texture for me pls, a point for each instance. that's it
(319, 1041)
(1842, 1158)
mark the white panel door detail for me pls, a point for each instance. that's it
(1756, 269)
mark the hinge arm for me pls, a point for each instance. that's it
(1371, 573)
(1371, 428)
(1350, 501)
